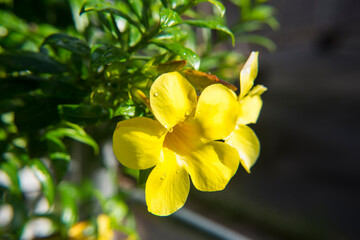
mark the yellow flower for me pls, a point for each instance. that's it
(77, 231)
(105, 232)
(85, 231)
(243, 138)
(180, 142)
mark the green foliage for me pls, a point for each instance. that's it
(69, 74)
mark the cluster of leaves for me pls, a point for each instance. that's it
(58, 81)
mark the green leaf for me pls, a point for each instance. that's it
(107, 7)
(212, 24)
(76, 133)
(11, 170)
(136, 6)
(54, 143)
(263, 41)
(72, 44)
(45, 178)
(273, 23)
(60, 161)
(261, 12)
(11, 22)
(126, 108)
(219, 6)
(247, 26)
(107, 54)
(175, 34)
(32, 61)
(117, 209)
(165, 3)
(169, 18)
(186, 53)
(86, 139)
(134, 36)
(83, 114)
(68, 196)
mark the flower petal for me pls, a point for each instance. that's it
(245, 141)
(167, 187)
(217, 112)
(104, 227)
(184, 138)
(137, 142)
(212, 166)
(248, 74)
(250, 106)
(172, 99)
(258, 90)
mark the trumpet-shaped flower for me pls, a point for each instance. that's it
(180, 142)
(243, 138)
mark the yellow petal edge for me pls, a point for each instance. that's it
(137, 142)
(167, 187)
(245, 141)
(248, 74)
(172, 99)
(217, 111)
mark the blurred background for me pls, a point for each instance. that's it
(305, 184)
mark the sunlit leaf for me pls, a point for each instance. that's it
(261, 12)
(68, 197)
(76, 134)
(55, 144)
(126, 108)
(212, 24)
(219, 6)
(70, 43)
(107, 54)
(169, 18)
(135, 36)
(12, 22)
(136, 6)
(86, 140)
(107, 7)
(174, 33)
(11, 171)
(43, 175)
(179, 49)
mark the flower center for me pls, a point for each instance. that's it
(183, 138)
